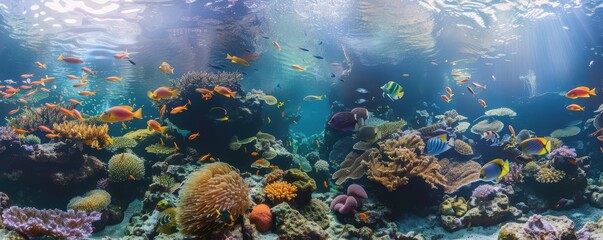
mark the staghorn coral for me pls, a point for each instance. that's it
(121, 143)
(487, 125)
(549, 175)
(31, 118)
(94, 136)
(397, 161)
(459, 174)
(70, 225)
(462, 147)
(95, 200)
(280, 191)
(160, 149)
(215, 186)
(273, 176)
(125, 166)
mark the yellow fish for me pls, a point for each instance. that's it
(237, 60)
(166, 68)
(120, 114)
(280, 104)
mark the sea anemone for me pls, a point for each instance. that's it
(95, 200)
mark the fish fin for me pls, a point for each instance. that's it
(228, 56)
(592, 92)
(60, 57)
(150, 95)
(162, 129)
(400, 95)
(138, 113)
(504, 168)
(442, 137)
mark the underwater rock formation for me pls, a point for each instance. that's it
(71, 225)
(291, 224)
(215, 186)
(261, 217)
(540, 227)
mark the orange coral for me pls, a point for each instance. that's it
(280, 191)
(95, 136)
(261, 216)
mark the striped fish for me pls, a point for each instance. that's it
(436, 145)
(494, 170)
(392, 90)
(536, 146)
(164, 219)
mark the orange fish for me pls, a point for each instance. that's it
(156, 126)
(477, 85)
(457, 74)
(114, 79)
(298, 67)
(363, 217)
(73, 60)
(44, 89)
(120, 114)
(51, 106)
(11, 112)
(179, 109)
(574, 107)
(73, 77)
(37, 83)
(482, 102)
(595, 132)
(206, 94)
(77, 114)
(52, 135)
(462, 81)
(4, 95)
(88, 70)
(31, 93)
(121, 55)
(325, 184)
(87, 93)
(449, 91)
(204, 157)
(163, 93)
(40, 65)
(277, 46)
(224, 91)
(27, 75)
(81, 84)
(254, 154)
(580, 92)
(47, 79)
(12, 90)
(193, 136)
(21, 100)
(45, 129)
(212, 159)
(512, 130)
(446, 98)
(162, 111)
(76, 102)
(19, 131)
(132, 178)
(25, 87)
(600, 138)
(66, 111)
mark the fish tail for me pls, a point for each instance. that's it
(228, 56)
(138, 113)
(60, 57)
(451, 95)
(150, 95)
(592, 92)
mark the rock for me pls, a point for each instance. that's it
(489, 212)
(544, 227)
(291, 224)
(591, 230)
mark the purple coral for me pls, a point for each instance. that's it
(28, 148)
(348, 203)
(55, 223)
(539, 228)
(7, 134)
(484, 192)
(102, 183)
(563, 151)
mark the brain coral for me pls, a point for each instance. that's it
(280, 191)
(123, 165)
(216, 186)
(95, 200)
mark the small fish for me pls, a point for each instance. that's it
(363, 217)
(121, 55)
(320, 43)
(76, 102)
(574, 107)
(600, 138)
(268, 119)
(298, 67)
(304, 49)
(283, 114)
(477, 85)
(318, 57)
(590, 64)
(47, 79)
(27, 75)
(88, 70)
(433, 63)
(45, 129)
(176, 146)
(162, 111)
(317, 143)
(360, 101)
(332, 75)
(265, 37)
(237, 60)
(73, 60)
(40, 65)
(131, 62)
(73, 77)
(193, 136)
(166, 68)
(276, 45)
(580, 92)
(180, 109)
(132, 178)
(482, 102)
(457, 74)
(446, 98)
(462, 81)
(226, 217)
(156, 126)
(405, 75)
(280, 104)
(52, 135)
(437, 145)
(361, 90)
(114, 79)
(224, 91)
(254, 154)
(212, 159)
(216, 67)
(325, 184)
(19, 131)
(51, 106)
(493, 78)
(79, 85)
(494, 170)
(163, 93)
(311, 98)
(449, 91)
(11, 112)
(595, 132)
(204, 157)
(87, 93)
(471, 90)
(393, 90)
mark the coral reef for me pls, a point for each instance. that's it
(122, 143)
(459, 174)
(291, 224)
(215, 186)
(515, 174)
(462, 147)
(95, 200)
(316, 211)
(280, 191)
(321, 166)
(549, 175)
(566, 132)
(273, 176)
(71, 225)
(539, 227)
(160, 149)
(126, 167)
(261, 217)
(31, 119)
(305, 184)
(591, 230)
(94, 136)
(562, 151)
(484, 192)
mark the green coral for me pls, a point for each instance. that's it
(30, 139)
(125, 166)
(121, 143)
(141, 135)
(316, 211)
(291, 224)
(304, 183)
(165, 181)
(160, 149)
(389, 128)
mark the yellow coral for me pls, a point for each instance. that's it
(160, 149)
(141, 134)
(216, 186)
(280, 191)
(122, 142)
(549, 175)
(125, 167)
(95, 136)
(95, 200)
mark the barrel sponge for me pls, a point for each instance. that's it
(124, 165)
(261, 217)
(95, 200)
(216, 186)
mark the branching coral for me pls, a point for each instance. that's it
(515, 174)
(70, 225)
(125, 167)
(549, 175)
(216, 186)
(95, 136)
(32, 118)
(397, 161)
(280, 191)
(95, 200)
(459, 174)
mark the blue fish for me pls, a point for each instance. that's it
(304, 49)
(436, 145)
(318, 57)
(494, 170)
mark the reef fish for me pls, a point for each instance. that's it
(494, 170)
(224, 91)
(298, 67)
(277, 46)
(163, 93)
(436, 145)
(40, 65)
(237, 60)
(343, 121)
(311, 98)
(156, 126)
(166, 68)
(580, 92)
(226, 217)
(536, 146)
(574, 107)
(120, 114)
(392, 90)
(73, 60)
(482, 102)
(445, 98)
(449, 91)
(121, 55)
(361, 90)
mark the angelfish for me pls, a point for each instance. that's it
(494, 170)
